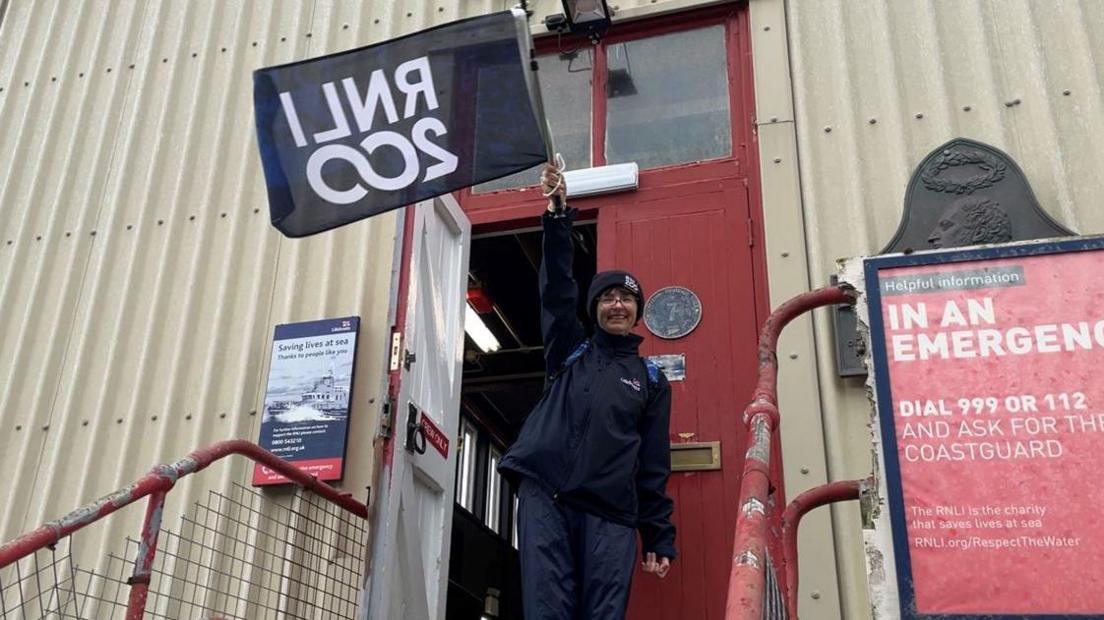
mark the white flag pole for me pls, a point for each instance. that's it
(532, 82)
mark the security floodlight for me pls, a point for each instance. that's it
(590, 18)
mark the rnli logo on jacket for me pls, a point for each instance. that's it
(633, 383)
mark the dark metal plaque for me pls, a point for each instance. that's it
(963, 193)
(969, 193)
(672, 312)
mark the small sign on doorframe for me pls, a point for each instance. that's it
(673, 365)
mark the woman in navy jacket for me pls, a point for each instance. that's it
(593, 457)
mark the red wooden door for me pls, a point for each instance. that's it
(695, 235)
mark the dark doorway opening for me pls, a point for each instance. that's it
(499, 388)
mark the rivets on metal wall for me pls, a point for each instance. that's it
(766, 28)
(440, 9)
(160, 222)
(805, 470)
(873, 121)
(774, 119)
(785, 255)
(309, 35)
(254, 44)
(375, 21)
(966, 108)
(153, 418)
(130, 66)
(26, 84)
(164, 60)
(9, 241)
(409, 14)
(827, 129)
(92, 234)
(119, 421)
(1009, 104)
(777, 160)
(80, 75)
(344, 26)
(68, 234)
(191, 218)
(53, 78)
(194, 54)
(1066, 92)
(130, 226)
(282, 39)
(109, 70)
(84, 422)
(793, 356)
(256, 210)
(18, 427)
(45, 427)
(919, 115)
(222, 215)
(222, 416)
(38, 237)
(815, 595)
(253, 413)
(188, 417)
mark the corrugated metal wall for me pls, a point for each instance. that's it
(139, 277)
(876, 85)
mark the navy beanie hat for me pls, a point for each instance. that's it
(606, 280)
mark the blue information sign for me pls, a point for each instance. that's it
(307, 403)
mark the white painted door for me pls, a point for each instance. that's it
(410, 555)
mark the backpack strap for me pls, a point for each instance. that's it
(653, 372)
(571, 359)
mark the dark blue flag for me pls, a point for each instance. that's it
(354, 134)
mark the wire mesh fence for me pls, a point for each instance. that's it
(239, 554)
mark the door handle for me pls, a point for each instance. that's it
(414, 431)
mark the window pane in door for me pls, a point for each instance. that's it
(668, 99)
(491, 517)
(565, 87)
(465, 492)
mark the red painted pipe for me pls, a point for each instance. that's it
(746, 580)
(160, 479)
(813, 498)
(143, 565)
(747, 577)
(767, 387)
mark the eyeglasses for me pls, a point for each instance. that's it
(611, 300)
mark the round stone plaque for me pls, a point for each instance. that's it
(672, 312)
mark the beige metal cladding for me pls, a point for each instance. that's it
(876, 85)
(140, 278)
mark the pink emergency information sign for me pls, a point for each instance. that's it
(994, 431)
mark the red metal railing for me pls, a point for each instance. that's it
(747, 579)
(791, 518)
(156, 485)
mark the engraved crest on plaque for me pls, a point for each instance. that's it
(672, 312)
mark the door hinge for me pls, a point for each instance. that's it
(409, 359)
(385, 418)
(396, 349)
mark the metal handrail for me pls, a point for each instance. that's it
(156, 484)
(746, 580)
(842, 491)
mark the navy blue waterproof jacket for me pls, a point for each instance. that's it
(598, 438)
